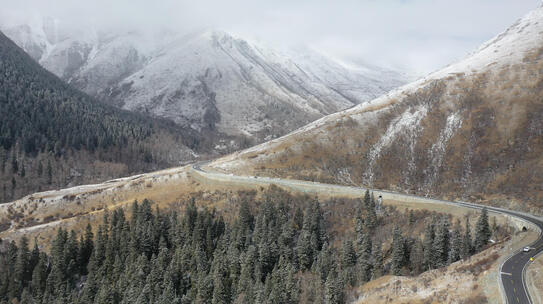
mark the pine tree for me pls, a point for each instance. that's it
(40, 169)
(246, 219)
(416, 258)
(333, 289)
(85, 250)
(371, 218)
(367, 200)
(442, 243)
(39, 276)
(49, 172)
(267, 257)
(397, 252)
(71, 250)
(411, 218)
(348, 255)
(13, 186)
(3, 160)
(298, 219)
(348, 262)
(494, 226)
(467, 242)
(168, 296)
(33, 259)
(325, 262)
(106, 295)
(364, 260)
(5, 192)
(245, 292)
(20, 269)
(359, 219)
(220, 289)
(304, 250)
(377, 265)
(456, 246)
(428, 245)
(482, 231)
(14, 163)
(27, 298)
(291, 282)
(205, 289)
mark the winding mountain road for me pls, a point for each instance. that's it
(512, 270)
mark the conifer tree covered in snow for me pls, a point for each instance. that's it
(269, 253)
(482, 230)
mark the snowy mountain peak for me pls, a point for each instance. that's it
(208, 80)
(507, 47)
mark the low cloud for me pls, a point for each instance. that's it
(414, 35)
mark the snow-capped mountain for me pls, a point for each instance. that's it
(209, 79)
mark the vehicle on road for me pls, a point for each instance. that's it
(526, 249)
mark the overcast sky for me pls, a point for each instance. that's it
(414, 35)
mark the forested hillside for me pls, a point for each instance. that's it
(278, 249)
(52, 135)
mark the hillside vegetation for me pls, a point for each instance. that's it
(52, 135)
(472, 131)
(277, 249)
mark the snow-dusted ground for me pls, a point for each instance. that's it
(64, 199)
(405, 124)
(437, 152)
(507, 48)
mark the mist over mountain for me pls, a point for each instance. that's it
(205, 80)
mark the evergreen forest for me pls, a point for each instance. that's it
(271, 251)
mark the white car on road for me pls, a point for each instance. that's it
(526, 249)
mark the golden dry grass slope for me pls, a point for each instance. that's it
(473, 130)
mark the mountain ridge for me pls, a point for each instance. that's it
(210, 79)
(470, 130)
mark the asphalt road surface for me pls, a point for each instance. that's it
(512, 270)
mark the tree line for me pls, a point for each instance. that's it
(271, 252)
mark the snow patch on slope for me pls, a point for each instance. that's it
(403, 125)
(438, 149)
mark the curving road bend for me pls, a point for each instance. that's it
(512, 270)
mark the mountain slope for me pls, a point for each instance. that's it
(472, 130)
(208, 80)
(53, 135)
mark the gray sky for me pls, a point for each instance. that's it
(414, 35)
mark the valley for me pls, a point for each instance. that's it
(205, 166)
